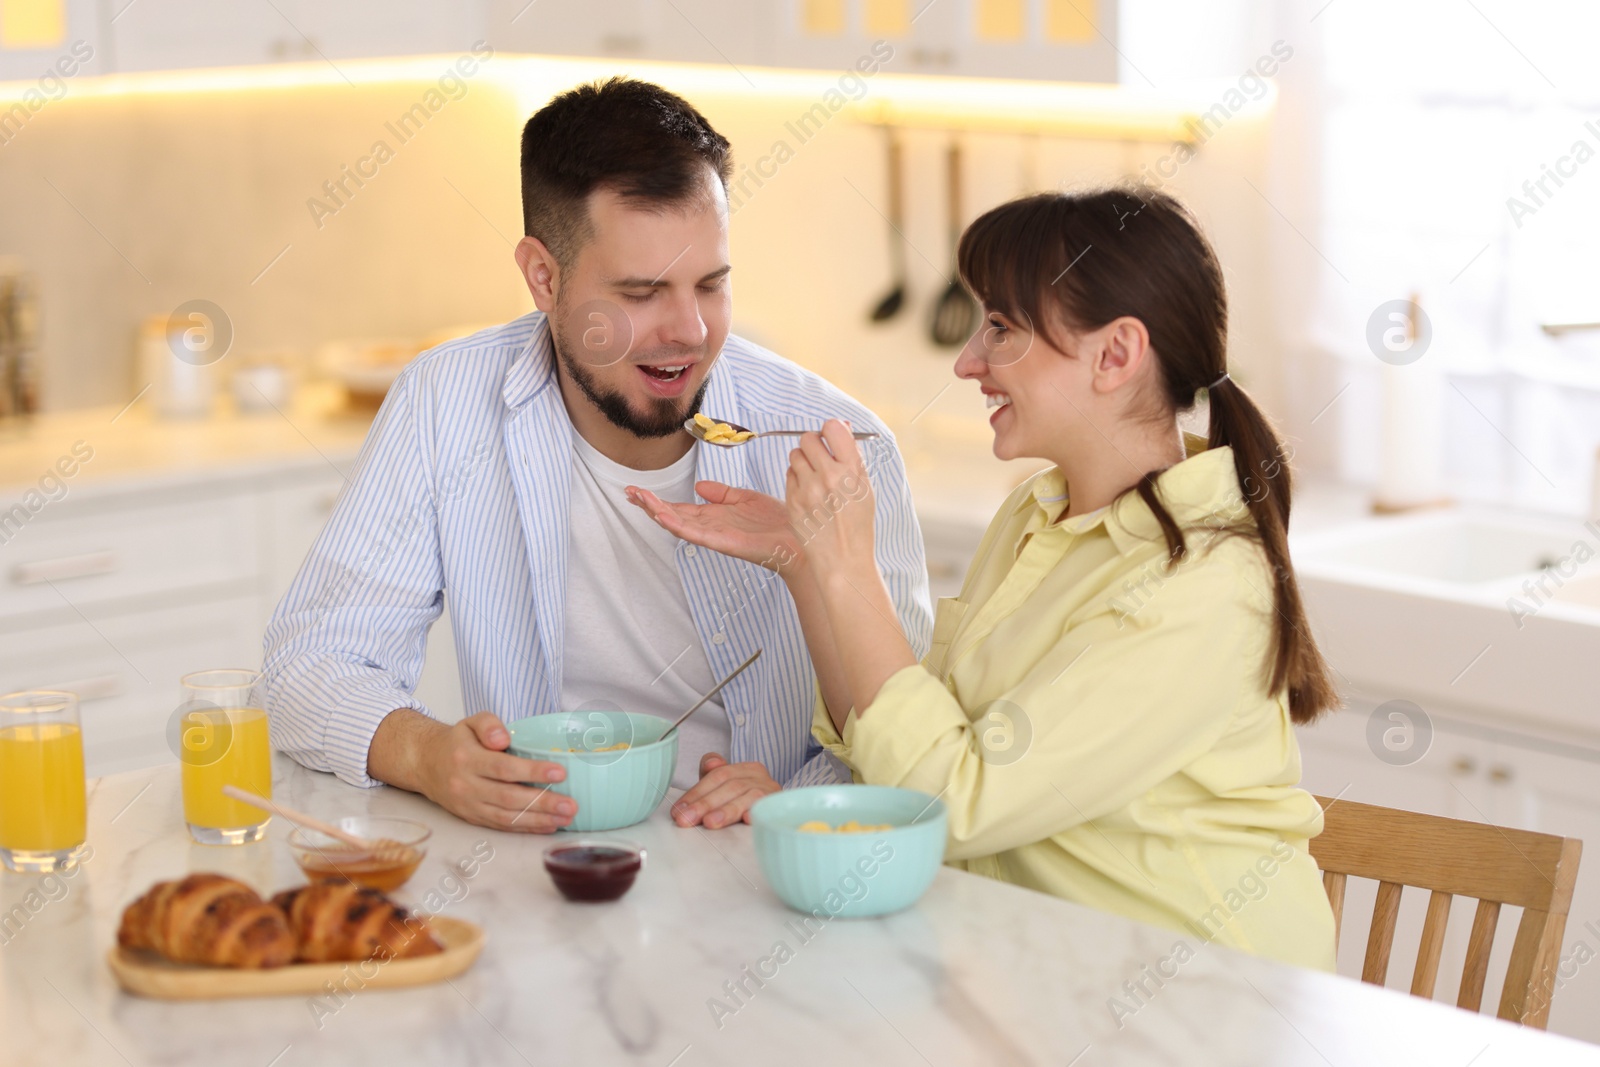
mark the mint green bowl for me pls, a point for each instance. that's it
(612, 789)
(849, 875)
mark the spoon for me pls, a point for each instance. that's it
(714, 691)
(888, 307)
(384, 849)
(698, 432)
(955, 313)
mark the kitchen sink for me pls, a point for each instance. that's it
(1462, 548)
(1585, 591)
(1461, 608)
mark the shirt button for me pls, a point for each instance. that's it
(691, 552)
(717, 639)
(738, 720)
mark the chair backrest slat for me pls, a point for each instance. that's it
(1426, 975)
(1333, 885)
(1490, 864)
(1380, 941)
(1476, 970)
(1535, 955)
(1526, 994)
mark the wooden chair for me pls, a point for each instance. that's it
(1490, 864)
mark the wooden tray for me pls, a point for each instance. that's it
(150, 975)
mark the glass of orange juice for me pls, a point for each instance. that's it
(222, 740)
(43, 800)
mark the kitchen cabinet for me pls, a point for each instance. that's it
(78, 52)
(293, 514)
(1037, 39)
(1555, 793)
(124, 548)
(115, 594)
(124, 667)
(691, 31)
(620, 28)
(711, 31)
(174, 34)
(117, 591)
(353, 29)
(1339, 763)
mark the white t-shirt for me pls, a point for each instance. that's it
(630, 641)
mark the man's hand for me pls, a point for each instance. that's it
(741, 523)
(724, 793)
(465, 769)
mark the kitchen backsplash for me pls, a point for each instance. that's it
(389, 208)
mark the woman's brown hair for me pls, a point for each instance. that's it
(1082, 260)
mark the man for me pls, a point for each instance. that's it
(493, 481)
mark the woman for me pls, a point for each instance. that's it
(1107, 707)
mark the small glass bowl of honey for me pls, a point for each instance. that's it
(400, 848)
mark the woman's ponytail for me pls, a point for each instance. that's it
(1264, 480)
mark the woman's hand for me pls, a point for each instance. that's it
(725, 793)
(830, 501)
(741, 523)
(831, 509)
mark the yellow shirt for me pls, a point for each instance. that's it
(1099, 726)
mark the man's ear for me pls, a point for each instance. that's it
(540, 271)
(1121, 349)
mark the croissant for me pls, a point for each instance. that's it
(335, 920)
(208, 919)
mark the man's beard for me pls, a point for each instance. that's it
(664, 418)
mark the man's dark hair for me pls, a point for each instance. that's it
(637, 139)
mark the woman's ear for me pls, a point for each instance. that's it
(540, 271)
(1120, 351)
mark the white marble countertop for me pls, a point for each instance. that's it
(978, 972)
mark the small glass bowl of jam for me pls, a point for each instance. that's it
(593, 870)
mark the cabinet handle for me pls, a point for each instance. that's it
(1500, 773)
(1464, 765)
(64, 568)
(87, 689)
(621, 44)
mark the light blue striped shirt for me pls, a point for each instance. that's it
(460, 496)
